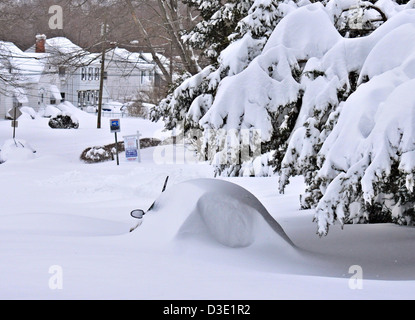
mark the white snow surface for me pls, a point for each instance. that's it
(221, 211)
(57, 211)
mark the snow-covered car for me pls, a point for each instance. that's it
(216, 209)
(113, 106)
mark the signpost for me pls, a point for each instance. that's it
(15, 113)
(132, 147)
(115, 128)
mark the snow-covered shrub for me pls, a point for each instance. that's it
(258, 167)
(91, 109)
(108, 152)
(149, 142)
(30, 112)
(101, 153)
(64, 120)
(50, 111)
(97, 154)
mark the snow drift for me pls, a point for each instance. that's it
(16, 150)
(219, 210)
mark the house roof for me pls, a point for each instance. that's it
(19, 63)
(59, 45)
(122, 55)
(149, 58)
(61, 50)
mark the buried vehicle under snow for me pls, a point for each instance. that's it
(217, 209)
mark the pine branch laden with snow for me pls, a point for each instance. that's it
(194, 96)
(270, 94)
(375, 168)
(186, 102)
(330, 187)
(219, 20)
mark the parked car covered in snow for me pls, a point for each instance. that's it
(216, 209)
(115, 107)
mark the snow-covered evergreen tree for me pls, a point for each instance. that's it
(193, 97)
(283, 88)
(341, 196)
(368, 161)
(209, 36)
(219, 19)
(298, 70)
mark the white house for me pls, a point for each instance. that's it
(76, 72)
(18, 76)
(129, 75)
(126, 74)
(55, 70)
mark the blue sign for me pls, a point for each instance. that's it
(131, 153)
(115, 125)
(132, 147)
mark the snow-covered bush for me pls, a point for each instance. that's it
(101, 153)
(29, 112)
(50, 111)
(64, 120)
(97, 154)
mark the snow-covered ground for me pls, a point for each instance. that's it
(64, 231)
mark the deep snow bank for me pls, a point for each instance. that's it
(218, 210)
(16, 150)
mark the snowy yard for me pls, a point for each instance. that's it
(64, 232)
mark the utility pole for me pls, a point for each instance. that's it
(101, 83)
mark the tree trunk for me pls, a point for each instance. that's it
(168, 77)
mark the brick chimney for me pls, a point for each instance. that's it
(40, 43)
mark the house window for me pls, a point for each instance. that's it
(52, 101)
(90, 74)
(105, 75)
(63, 96)
(97, 73)
(96, 97)
(41, 96)
(79, 99)
(83, 74)
(62, 71)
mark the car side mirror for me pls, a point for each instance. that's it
(138, 214)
